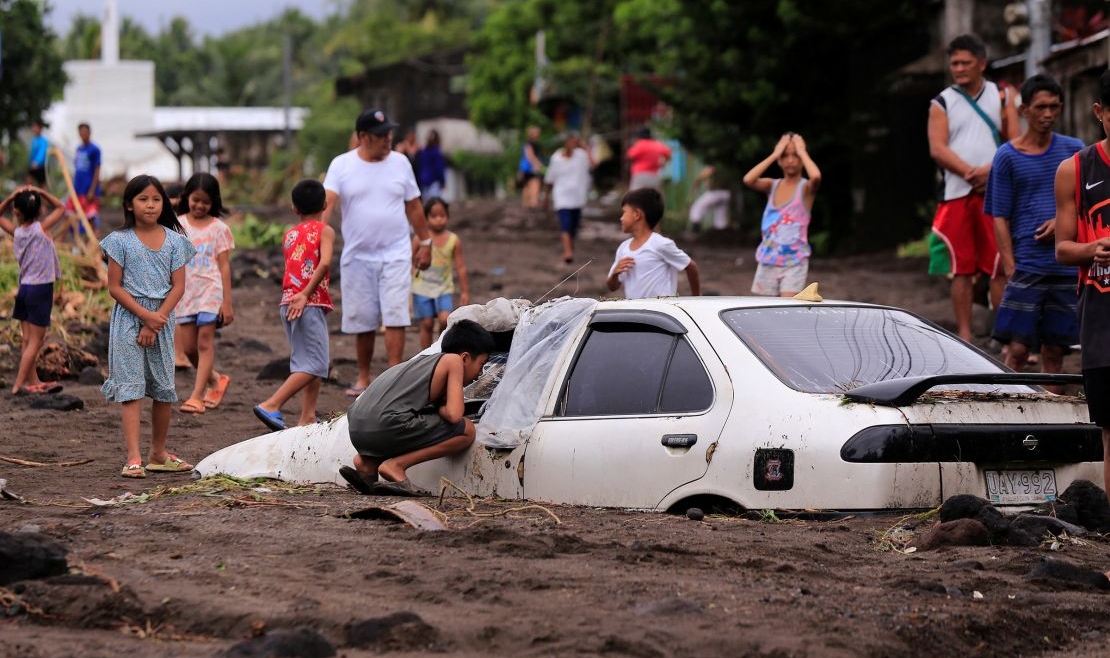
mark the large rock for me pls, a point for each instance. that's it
(297, 643)
(961, 532)
(28, 555)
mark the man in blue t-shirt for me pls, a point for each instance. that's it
(1038, 307)
(86, 176)
(36, 166)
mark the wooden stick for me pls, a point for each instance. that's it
(24, 462)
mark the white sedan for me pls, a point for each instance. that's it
(749, 402)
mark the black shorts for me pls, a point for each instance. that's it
(37, 174)
(33, 303)
(1096, 386)
(383, 445)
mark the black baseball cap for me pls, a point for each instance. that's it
(374, 122)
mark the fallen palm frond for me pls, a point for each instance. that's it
(445, 484)
(25, 462)
(897, 538)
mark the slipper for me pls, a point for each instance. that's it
(192, 406)
(353, 391)
(214, 396)
(358, 481)
(271, 419)
(402, 488)
(43, 388)
(133, 470)
(173, 464)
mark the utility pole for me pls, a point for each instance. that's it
(1040, 37)
(287, 87)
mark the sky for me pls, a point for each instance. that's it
(207, 17)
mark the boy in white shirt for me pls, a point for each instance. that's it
(647, 264)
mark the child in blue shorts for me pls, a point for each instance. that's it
(38, 270)
(304, 302)
(432, 289)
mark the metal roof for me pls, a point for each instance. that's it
(169, 120)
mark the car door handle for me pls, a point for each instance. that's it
(679, 440)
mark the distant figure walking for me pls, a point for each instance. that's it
(530, 170)
(36, 166)
(431, 167)
(646, 158)
(86, 177)
(783, 255)
(568, 174)
(714, 199)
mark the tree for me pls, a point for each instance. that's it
(31, 74)
(501, 69)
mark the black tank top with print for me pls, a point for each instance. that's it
(1092, 203)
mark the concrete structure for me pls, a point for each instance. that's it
(116, 99)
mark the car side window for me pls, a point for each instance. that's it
(633, 369)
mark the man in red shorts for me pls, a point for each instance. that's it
(967, 123)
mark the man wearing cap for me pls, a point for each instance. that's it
(379, 200)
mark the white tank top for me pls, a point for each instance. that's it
(968, 135)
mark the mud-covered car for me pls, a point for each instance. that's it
(748, 402)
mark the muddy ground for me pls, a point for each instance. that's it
(194, 571)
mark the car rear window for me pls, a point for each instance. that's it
(832, 349)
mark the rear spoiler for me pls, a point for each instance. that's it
(905, 391)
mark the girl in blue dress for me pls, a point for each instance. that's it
(146, 277)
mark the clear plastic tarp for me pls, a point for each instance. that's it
(542, 332)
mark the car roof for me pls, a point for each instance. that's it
(715, 303)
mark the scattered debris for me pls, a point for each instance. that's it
(411, 512)
(24, 462)
(8, 495)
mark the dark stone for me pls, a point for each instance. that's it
(297, 643)
(1058, 509)
(400, 631)
(1019, 537)
(1039, 526)
(90, 376)
(29, 555)
(51, 401)
(1052, 569)
(278, 369)
(961, 532)
(990, 517)
(695, 514)
(1090, 505)
(963, 506)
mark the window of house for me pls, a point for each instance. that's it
(634, 369)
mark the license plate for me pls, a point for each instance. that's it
(1014, 487)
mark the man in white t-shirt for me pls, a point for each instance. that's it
(379, 200)
(568, 174)
(647, 264)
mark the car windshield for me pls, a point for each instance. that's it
(832, 349)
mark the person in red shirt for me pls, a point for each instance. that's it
(305, 300)
(646, 157)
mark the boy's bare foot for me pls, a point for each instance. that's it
(391, 472)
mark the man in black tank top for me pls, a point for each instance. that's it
(1083, 239)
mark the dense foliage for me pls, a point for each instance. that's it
(30, 67)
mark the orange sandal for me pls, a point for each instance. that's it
(214, 396)
(192, 406)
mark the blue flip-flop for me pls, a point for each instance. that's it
(271, 419)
